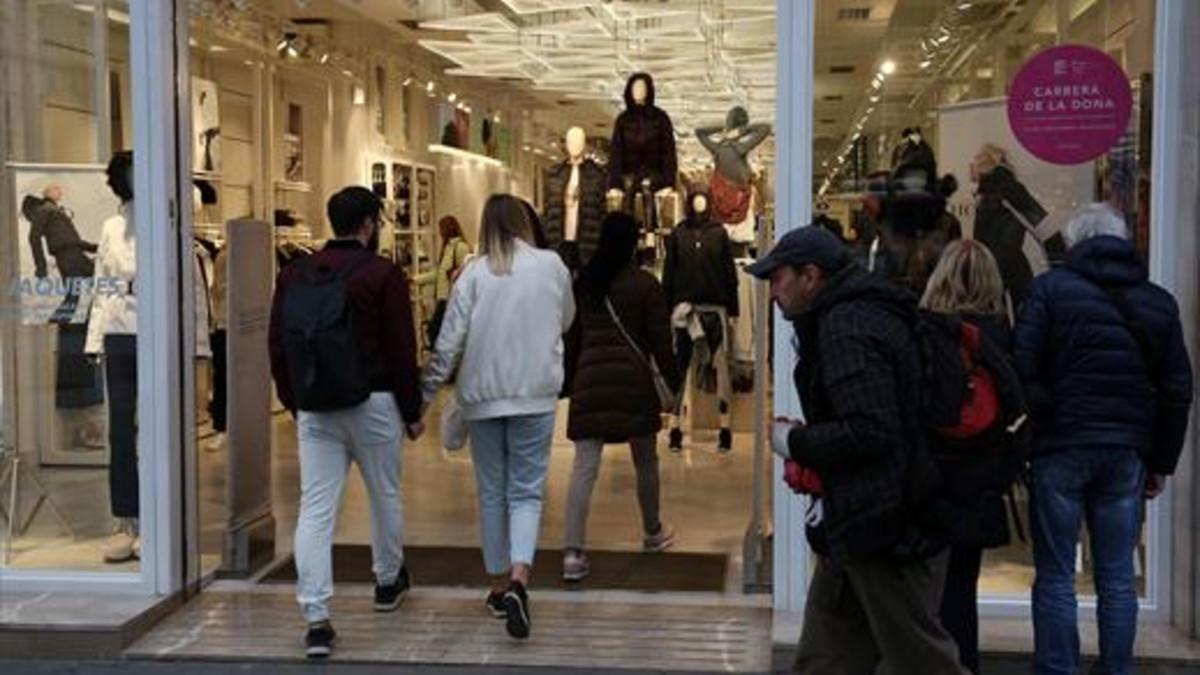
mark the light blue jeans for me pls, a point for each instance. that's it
(371, 436)
(511, 456)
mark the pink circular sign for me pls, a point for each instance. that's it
(1069, 104)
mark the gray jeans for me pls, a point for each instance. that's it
(877, 618)
(588, 454)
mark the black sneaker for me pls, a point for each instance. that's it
(516, 610)
(725, 440)
(388, 598)
(495, 605)
(675, 440)
(318, 643)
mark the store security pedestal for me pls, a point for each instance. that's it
(250, 533)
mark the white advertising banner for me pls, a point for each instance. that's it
(61, 209)
(964, 128)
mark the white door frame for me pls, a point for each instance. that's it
(793, 209)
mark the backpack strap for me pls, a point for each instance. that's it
(1133, 323)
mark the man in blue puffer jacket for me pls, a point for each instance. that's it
(1101, 352)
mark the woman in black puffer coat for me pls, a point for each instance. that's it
(613, 397)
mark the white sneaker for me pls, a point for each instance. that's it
(120, 545)
(576, 566)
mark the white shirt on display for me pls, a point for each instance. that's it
(571, 201)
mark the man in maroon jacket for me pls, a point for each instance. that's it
(370, 434)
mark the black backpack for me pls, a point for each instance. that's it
(972, 460)
(326, 367)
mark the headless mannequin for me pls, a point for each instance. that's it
(700, 206)
(574, 204)
(576, 143)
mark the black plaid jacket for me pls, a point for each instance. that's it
(858, 378)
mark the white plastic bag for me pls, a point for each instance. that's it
(454, 427)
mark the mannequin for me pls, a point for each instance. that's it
(642, 153)
(574, 206)
(730, 146)
(112, 335)
(701, 285)
(914, 155)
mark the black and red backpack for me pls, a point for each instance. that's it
(972, 406)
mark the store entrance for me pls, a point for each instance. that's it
(435, 120)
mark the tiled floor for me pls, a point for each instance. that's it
(436, 628)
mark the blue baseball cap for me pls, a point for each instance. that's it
(807, 245)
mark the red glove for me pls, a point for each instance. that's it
(802, 480)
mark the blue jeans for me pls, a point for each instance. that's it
(511, 456)
(1105, 486)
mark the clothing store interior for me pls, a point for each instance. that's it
(580, 108)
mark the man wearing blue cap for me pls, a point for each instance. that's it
(875, 594)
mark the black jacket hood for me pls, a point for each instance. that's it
(645, 77)
(1108, 261)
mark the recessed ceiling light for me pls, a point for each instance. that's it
(887, 67)
(218, 49)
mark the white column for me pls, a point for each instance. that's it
(1175, 210)
(793, 208)
(155, 64)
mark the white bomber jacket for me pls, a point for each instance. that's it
(506, 332)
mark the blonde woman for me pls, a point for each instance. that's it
(966, 284)
(504, 323)
(1005, 212)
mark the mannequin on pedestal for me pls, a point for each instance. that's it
(574, 205)
(731, 187)
(642, 154)
(701, 285)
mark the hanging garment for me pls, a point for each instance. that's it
(702, 348)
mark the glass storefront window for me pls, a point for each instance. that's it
(284, 117)
(68, 320)
(912, 100)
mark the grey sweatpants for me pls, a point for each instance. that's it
(588, 454)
